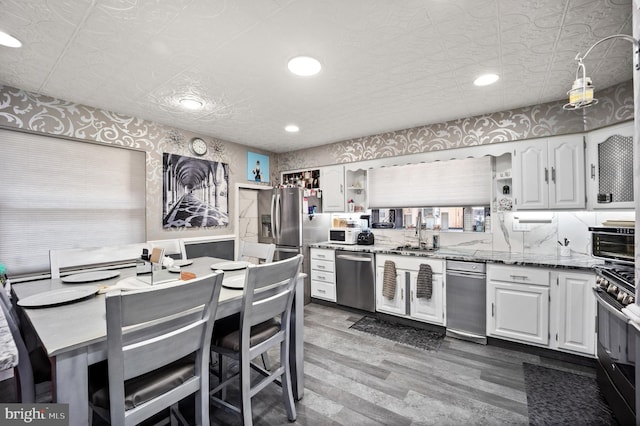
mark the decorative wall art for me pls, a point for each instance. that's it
(257, 167)
(195, 192)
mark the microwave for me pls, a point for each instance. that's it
(614, 244)
(344, 235)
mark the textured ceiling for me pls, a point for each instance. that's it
(387, 64)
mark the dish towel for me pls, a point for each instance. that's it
(424, 285)
(389, 280)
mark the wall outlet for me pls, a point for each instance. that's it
(523, 227)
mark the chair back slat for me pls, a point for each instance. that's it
(148, 355)
(261, 251)
(92, 257)
(148, 305)
(264, 309)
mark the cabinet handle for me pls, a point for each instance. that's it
(523, 277)
(321, 267)
(553, 174)
(492, 309)
(341, 189)
(412, 295)
(593, 171)
(546, 175)
(556, 337)
(402, 293)
(322, 277)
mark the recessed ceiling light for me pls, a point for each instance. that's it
(9, 41)
(292, 128)
(485, 80)
(191, 103)
(304, 66)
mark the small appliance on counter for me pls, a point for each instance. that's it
(344, 235)
(365, 238)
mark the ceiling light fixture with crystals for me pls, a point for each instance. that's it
(581, 93)
(486, 79)
(292, 128)
(304, 66)
(9, 40)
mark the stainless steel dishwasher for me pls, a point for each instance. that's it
(355, 280)
(467, 301)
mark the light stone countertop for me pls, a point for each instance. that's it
(539, 260)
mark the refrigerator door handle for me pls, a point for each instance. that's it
(279, 230)
(274, 225)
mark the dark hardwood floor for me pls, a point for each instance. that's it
(354, 378)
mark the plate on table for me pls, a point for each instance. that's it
(87, 277)
(235, 282)
(184, 262)
(57, 297)
(231, 266)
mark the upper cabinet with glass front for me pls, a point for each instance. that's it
(549, 173)
(610, 167)
(356, 193)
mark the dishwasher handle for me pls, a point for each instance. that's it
(466, 274)
(354, 258)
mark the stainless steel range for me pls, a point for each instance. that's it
(615, 289)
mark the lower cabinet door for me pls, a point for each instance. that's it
(397, 304)
(573, 307)
(518, 312)
(423, 309)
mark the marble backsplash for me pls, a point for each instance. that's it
(539, 238)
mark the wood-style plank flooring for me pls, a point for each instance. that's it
(354, 378)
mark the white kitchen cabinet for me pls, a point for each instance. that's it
(356, 185)
(518, 303)
(323, 274)
(573, 312)
(405, 303)
(610, 167)
(549, 173)
(332, 186)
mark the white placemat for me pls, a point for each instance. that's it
(57, 297)
(87, 277)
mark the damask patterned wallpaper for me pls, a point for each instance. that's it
(29, 111)
(615, 105)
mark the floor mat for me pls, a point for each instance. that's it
(556, 397)
(423, 339)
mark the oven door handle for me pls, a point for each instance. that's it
(608, 307)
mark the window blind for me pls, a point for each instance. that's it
(57, 193)
(452, 183)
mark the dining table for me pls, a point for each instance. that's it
(74, 333)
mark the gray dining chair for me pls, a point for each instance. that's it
(261, 252)
(158, 343)
(33, 372)
(264, 323)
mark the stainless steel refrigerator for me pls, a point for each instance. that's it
(284, 223)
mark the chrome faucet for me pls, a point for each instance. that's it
(419, 229)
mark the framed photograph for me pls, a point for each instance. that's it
(195, 192)
(257, 167)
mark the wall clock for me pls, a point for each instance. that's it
(198, 146)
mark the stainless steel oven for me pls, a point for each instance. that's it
(615, 289)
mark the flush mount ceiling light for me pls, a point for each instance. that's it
(191, 103)
(304, 66)
(8, 40)
(486, 79)
(581, 93)
(292, 128)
